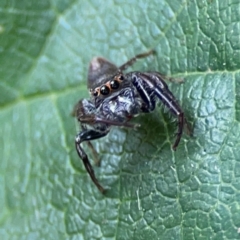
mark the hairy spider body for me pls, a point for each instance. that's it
(116, 98)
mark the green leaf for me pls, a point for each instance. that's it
(153, 192)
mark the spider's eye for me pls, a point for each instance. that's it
(121, 77)
(114, 84)
(104, 90)
(95, 93)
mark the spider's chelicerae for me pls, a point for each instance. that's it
(116, 97)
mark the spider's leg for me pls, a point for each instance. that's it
(94, 152)
(147, 97)
(117, 123)
(164, 94)
(87, 135)
(188, 128)
(93, 119)
(134, 59)
(170, 79)
(152, 83)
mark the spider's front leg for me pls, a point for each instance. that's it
(151, 85)
(87, 135)
(131, 61)
(85, 113)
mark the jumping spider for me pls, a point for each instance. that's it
(116, 97)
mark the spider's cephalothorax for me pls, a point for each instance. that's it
(116, 98)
